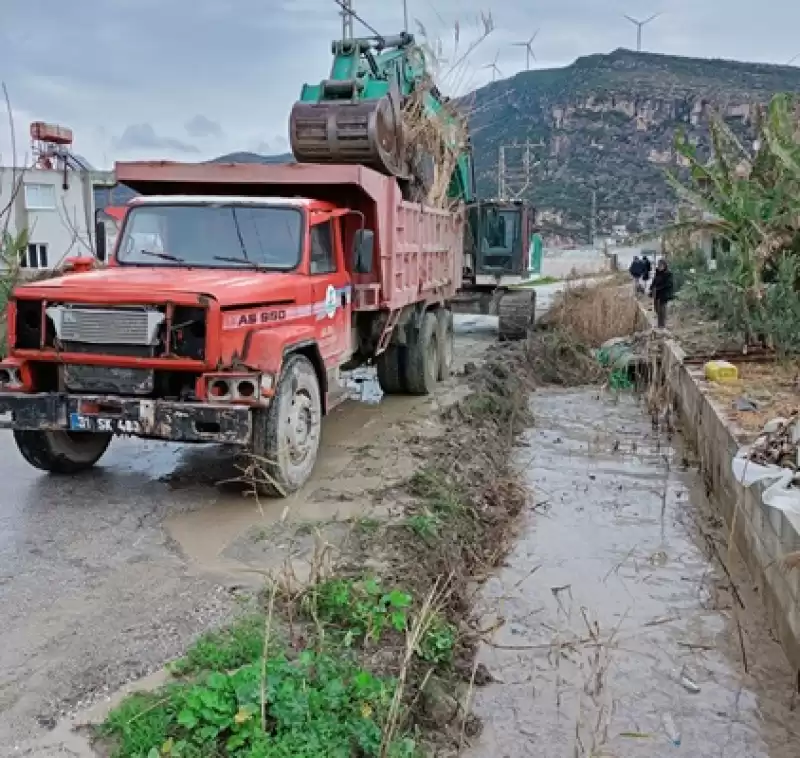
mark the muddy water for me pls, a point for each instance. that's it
(614, 634)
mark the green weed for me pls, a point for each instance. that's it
(225, 649)
(439, 641)
(443, 498)
(316, 706)
(362, 609)
(424, 525)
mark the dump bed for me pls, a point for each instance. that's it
(418, 250)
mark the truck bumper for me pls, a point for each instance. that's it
(160, 419)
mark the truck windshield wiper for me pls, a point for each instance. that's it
(233, 259)
(163, 256)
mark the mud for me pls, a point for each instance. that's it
(610, 613)
(106, 576)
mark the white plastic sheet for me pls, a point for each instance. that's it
(778, 494)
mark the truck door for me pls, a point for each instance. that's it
(332, 293)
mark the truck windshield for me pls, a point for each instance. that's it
(213, 236)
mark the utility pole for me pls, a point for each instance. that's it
(593, 220)
(501, 172)
(639, 25)
(515, 166)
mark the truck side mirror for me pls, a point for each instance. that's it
(363, 249)
(100, 240)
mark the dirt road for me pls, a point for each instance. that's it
(104, 577)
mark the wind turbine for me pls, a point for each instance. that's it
(529, 54)
(792, 59)
(639, 24)
(493, 65)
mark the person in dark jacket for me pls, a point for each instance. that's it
(662, 291)
(636, 270)
(647, 270)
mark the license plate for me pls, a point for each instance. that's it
(81, 423)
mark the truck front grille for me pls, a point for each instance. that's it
(106, 326)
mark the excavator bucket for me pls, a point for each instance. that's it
(367, 132)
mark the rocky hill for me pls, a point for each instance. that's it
(601, 130)
(606, 124)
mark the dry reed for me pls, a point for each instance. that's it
(595, 314)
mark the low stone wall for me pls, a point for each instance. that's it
(763, 535)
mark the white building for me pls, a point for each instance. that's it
(57, 209)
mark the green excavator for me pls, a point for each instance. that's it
(357, 116)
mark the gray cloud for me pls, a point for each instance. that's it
(144, 137)
(201, 126)
(242, 65)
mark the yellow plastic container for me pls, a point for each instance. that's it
(721, 371)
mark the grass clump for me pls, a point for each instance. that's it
(316, 705)
(225, 649)
(362, 609)
(318, 698)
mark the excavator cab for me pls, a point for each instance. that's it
(499, 246)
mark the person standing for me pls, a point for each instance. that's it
(647, 269)
(662, 291)
(636, 270)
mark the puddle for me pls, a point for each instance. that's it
(609, 615)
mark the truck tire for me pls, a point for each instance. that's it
(61, 452)
(286, 435)
(516, 313)
(422, 368)
(445, 339)
(390, 366)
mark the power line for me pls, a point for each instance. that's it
(347, 9)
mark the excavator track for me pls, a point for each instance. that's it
(516, 313)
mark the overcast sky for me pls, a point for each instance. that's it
(191, 79)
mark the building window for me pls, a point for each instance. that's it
(34, 257)
(322, 260)
(40, 197)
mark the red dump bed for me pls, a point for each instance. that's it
(418, 250)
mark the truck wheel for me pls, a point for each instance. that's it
(516, 313)
(422, 368)
(390, 370)
(445, 339)
(287, 434)
(61, 452)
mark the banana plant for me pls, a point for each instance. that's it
(752, 199)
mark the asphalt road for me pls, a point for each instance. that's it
(106, 576)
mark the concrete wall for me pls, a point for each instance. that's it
(763, 535)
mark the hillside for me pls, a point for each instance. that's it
(606, 124)
(603, 125)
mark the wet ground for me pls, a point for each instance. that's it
(611, 631)
(105, 576)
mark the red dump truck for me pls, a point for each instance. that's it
(234, 297)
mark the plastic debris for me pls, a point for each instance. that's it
(687, 682)
(670, 728)
(745, 404)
